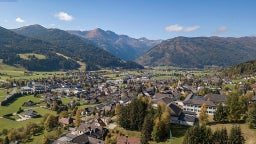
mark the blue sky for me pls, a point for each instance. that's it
(153, 19)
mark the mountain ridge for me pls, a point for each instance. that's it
(121, 46)
(13, 44)
(76, 48)
(200, 52)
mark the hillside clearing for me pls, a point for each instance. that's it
(28, 56)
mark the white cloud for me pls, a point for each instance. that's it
(221, 30)
(19, 20)
(64, 16)
(178, 28)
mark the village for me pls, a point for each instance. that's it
(85, 102)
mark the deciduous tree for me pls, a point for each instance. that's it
(203, 115)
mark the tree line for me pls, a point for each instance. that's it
(204, 135)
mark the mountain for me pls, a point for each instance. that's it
(200, 52)
(13, 45)
(121, 46)
(74, 47)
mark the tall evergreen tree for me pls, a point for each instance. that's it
(147, 129)
(6, 140)
(220, 136)
(251, 116)
(234, 107)
(198, 135)
(157, 133)
(236, 136)
(220, 114)
(123, 119)
(50, 122)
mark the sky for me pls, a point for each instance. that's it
(153, 19)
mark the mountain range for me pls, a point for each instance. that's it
(99, 49)
(74, 47)
(121, 46)
(200, 52)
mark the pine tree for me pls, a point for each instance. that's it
(236, 136)
(203, 115)
(157, 133)
(234, 107)
(198, 135)
(6, 140)
(50, 122)
(251, 116)
(220, 136)
(123, 119)
(220, 114)
(147, 129)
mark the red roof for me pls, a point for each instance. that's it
(131, 140)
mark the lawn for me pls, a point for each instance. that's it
(13, 108)
(177, 134)
(12, 74)
(8, 67)
(2, 94)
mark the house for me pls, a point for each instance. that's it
(65, 121)
(81, 139)
(106, 120)
(96, 129)
(128, 140)
(86, 139)
(30, 114)
(26, 90)
(28, 103)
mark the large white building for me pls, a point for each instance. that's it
(211, 100)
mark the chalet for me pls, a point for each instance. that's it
(30, 114)
(28, 103)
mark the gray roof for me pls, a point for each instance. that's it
(199, 102)
(188, 118)
(215, 98)
(175, 109)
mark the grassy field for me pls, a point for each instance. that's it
(177, 134)
(2, 94)
(28, 55)
(7, 67)
(12, 74)
(13, 108)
